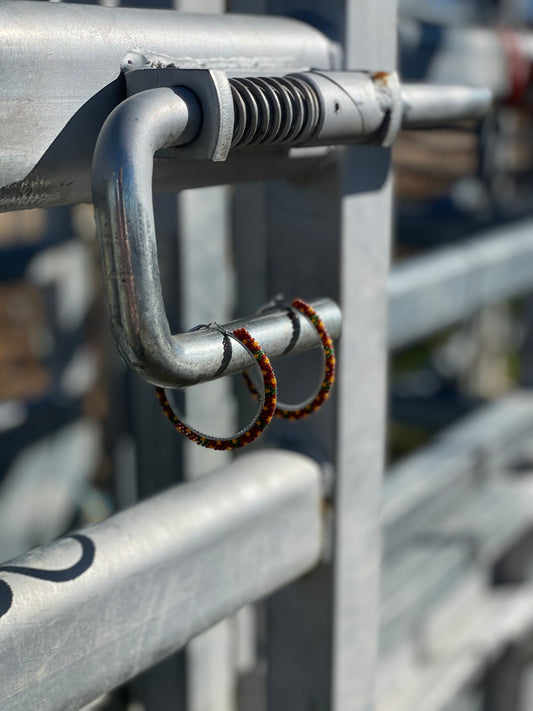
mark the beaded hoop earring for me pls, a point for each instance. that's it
(265, 412)
(297, 412)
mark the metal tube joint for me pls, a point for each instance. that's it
(313, 108)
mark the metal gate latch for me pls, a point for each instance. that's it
(201, 114)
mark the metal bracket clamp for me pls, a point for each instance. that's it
(213, 92)
(356, 107)
(204, 113)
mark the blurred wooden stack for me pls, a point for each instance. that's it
(24, 337)
(428, 163)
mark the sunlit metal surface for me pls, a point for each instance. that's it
(122, 178)
(437, 289)
(88, 612)
(61, 73)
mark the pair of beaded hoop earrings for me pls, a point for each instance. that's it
(268, 405)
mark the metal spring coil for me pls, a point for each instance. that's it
(273, 111)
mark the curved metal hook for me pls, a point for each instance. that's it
(122, 196)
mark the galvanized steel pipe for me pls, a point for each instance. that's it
(434, 105)
(87, 613)
(439, 288)
(122, 195)
(61, 77)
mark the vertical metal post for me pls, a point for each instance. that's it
(207, 291)
(206, 278)
(332, 237)
(160, 454)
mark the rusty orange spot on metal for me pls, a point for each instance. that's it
(382, 77)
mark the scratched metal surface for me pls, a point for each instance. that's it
(53, 103)
(90, 611)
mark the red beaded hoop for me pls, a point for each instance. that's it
(297, 412)
(267, 403)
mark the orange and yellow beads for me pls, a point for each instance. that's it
(260, 422)
(298, 412)
(269, 407)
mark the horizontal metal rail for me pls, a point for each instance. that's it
(450, 512)
(88, 612)
(428, 105)
(479, 56)
(53, 103)
(481, 444)
(462, 637)
(438, 289)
